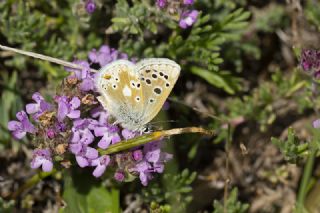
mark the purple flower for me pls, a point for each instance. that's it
(105, 55)
(108, 136)
(19, 129)
(101, 164)
(84, 154)
(137, 155)
(119, 176)
(51, 133)
(90, 6)
(42, 157)
(128, 134)
(85, 75)
(67, 107)
(188, 2)
(82, 131)
(316, 124)
(39, 107)
(143, 168)
(310, 62)
(188, 18)
(153, 153)
(161, 3)
(101, 115)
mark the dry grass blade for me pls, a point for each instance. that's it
(45, 58)
(143, 139)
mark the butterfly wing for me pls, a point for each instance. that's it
(121, 93)
(157, 77)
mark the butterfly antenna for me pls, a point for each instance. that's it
(152, 124)
(197, 110)
(165, 121)
(45, 58)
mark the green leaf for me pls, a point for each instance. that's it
(85, 194)
(214, 78)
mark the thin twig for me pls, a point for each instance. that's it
(46, 58)
(227, 180)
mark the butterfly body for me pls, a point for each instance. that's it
(135, 93)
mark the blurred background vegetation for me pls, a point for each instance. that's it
(240, 63)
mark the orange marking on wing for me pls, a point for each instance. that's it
(106, 76)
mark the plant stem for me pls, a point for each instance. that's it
(304, 182)
(226, 182)
(31, 182)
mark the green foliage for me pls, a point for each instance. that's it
(313, 13)
(270, 18)
(38, 30)
(201, 46)
(6, 206)
(232, 205)
(174, 194)
(292, 148)
(265, 102)
(85, 194)
(9, 105)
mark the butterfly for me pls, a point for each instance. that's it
(135, 93)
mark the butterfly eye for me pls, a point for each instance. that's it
(137, 98)
(166, 77)
(117, 79)
(161, 73)
(167, 84)
(151, 100)
(138, 85)
(154, 76)
(114, 86)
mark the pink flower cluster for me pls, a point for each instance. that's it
(75, 127)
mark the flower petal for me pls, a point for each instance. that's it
(47, 166)
(105, 142)
(91, 153)
(99, 170)
(18, 134)
(75, 102)
(82, 162)
(14, 125)
(32, 108)
(74, 114)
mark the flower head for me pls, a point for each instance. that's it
(21, 127)
(310, 62)
(42, 157)
(105, 55)
(119, 176)
(84, 154)
(188, 18)
(101, 164)
(188, 2)
(90, 6)
(144, 170)
(67, 107)
(161, 3)
(39, 107)
(108, 136)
